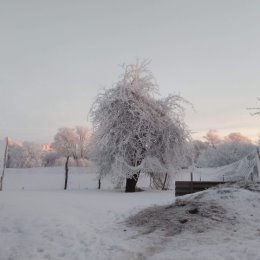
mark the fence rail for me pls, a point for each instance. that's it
(188, 187)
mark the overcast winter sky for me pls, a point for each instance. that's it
(56, 55)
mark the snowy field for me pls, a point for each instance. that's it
(81, 178)
(38, 220)
(52, 178)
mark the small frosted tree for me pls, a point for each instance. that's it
(83, 137)
(133, 131)
(65, 143)
(71, 142)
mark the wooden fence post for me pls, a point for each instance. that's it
(4, 165)
(99, 183)
(191, 181)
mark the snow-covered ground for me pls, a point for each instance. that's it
(68, 225)
(52, 178)
(225, 225)
(38, 220)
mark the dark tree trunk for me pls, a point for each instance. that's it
(66, 172)
(99, 183)
(135, 161)
(131, 183)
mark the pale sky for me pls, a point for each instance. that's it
(56, 55)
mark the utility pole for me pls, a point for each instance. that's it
(4, 165)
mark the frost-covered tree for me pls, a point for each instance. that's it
(198, 148)
(72, 143)
(231, 148)
(83, 139)
(50, 158)
(237, 138)
(133, 131)
(26, 155)
(65, 143)
(33, 154)
(213, 138)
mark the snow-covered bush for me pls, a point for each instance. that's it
(135, 132)
(224, 154)
(27, 155)
(50, 158)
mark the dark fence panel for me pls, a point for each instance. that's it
(188, 187)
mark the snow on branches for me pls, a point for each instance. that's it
(135, 132)
(72, 142)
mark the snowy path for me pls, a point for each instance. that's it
(69, 225)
